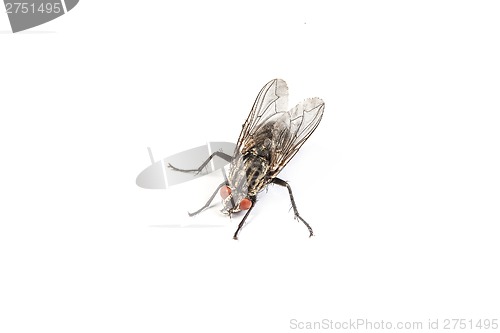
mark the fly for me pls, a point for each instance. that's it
(270, 137)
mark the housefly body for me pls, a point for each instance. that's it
(270, 137)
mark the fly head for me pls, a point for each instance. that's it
(234, 200)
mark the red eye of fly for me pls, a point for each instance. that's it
(225, 191)
(245, 204)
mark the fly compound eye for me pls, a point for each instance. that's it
(245, 204)
(225, 191)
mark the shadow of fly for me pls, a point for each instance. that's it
(270, 137)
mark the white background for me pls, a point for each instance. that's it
(400, 181)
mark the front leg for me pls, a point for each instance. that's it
(209, 200)
(235, 237)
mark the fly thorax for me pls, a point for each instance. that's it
(256, 169)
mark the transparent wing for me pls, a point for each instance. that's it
(271, 100)
(292, 129)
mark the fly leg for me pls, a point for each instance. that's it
(235, 237)
(220, 154)
(294, 206)
(209, 200)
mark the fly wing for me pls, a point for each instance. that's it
(292, 129)
(271, 100)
